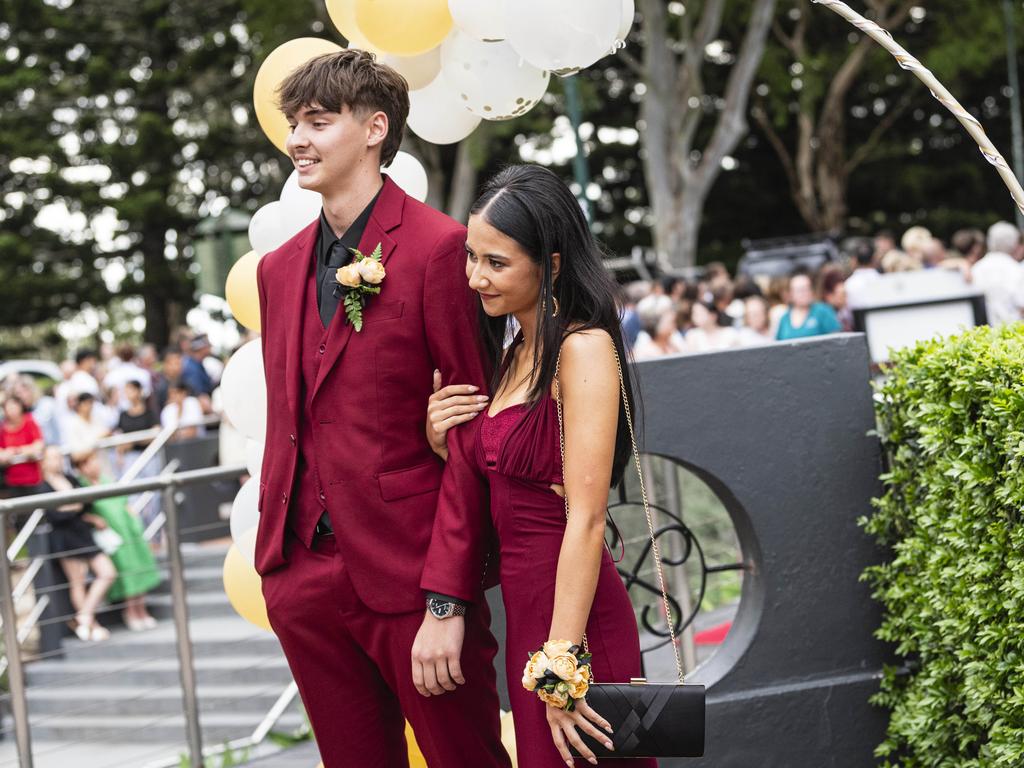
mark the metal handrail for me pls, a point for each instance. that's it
(110, 490)
(161, 436)
(127, 438)
(168, 485)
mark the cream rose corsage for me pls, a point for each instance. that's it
(359, 280)
(559, 674)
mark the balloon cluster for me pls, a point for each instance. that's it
(473, 60)
(465, 60)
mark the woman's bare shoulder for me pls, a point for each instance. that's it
(588, 350)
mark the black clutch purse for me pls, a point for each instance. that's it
(648, 719)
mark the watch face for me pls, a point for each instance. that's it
(441, 609)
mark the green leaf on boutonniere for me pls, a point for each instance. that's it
(377, 254)
(354, 309)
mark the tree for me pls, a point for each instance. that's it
(680, 170)
(140, 111)
(43, 272)
(830, 95)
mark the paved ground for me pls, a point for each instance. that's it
(303, 756)
(63, 755)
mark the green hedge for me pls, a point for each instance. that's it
(951, 420)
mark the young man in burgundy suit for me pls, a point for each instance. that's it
(349, 483)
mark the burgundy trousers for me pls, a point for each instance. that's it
(354, 672)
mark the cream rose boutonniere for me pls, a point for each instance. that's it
(360, 280)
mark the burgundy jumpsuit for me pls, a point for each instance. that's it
(517, 450)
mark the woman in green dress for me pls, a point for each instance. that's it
(137, 571)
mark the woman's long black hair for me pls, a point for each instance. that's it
(531, 205)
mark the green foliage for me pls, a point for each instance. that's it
(951, 415)
(138, 113)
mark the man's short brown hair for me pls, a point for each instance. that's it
(353, 79)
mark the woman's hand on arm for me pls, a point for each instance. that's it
(589, 388)
(448, 407)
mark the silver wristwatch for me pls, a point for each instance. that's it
(444, 609)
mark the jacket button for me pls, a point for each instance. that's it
(322, 496)
(323, 348)
(284, 498)
(292, 438)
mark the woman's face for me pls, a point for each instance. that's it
(838, 296)
(702, 318)
(90, 467)
(500, 271)
(800, 292)
(13, 410)
(667, 325)
(755, 315)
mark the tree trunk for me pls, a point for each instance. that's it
(464, 177)
(680, 176)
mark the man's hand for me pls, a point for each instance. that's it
(436, 654)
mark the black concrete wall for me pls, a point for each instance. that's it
(780, 433)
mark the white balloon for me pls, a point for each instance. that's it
(626, 24)
(267, 231)
(299, 206)
(491, 79)
(437, 115)
(254, 456)
(562, 37)
(482, 19)
(244, 388)
(245, 516)
(406, 171)
(419, 71)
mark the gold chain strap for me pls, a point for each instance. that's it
(643, 495)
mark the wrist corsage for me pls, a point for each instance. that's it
(559, 673)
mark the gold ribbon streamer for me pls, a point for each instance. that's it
(938, 90)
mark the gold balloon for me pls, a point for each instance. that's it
(343, 14)
(281, 62)
(403, 27)
(416, 759)
(242, 585)
(242, 293)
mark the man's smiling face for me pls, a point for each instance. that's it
(328, 147)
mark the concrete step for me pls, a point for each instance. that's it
(114, 701)
(257, 669)
(201, 578)
(216, 727)
(205, 555)
(211, 637)
(200, 605)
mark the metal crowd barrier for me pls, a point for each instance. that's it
(168, 485)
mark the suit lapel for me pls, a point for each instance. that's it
(386, 216)
(299, 263)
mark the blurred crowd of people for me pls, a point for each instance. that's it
(51, 440)
(676, 316)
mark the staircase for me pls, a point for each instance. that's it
(126, 692)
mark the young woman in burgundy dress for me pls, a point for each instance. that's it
(531, 258)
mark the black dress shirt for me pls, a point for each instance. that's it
(333, 252)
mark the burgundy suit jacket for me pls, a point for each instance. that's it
(380, 477)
